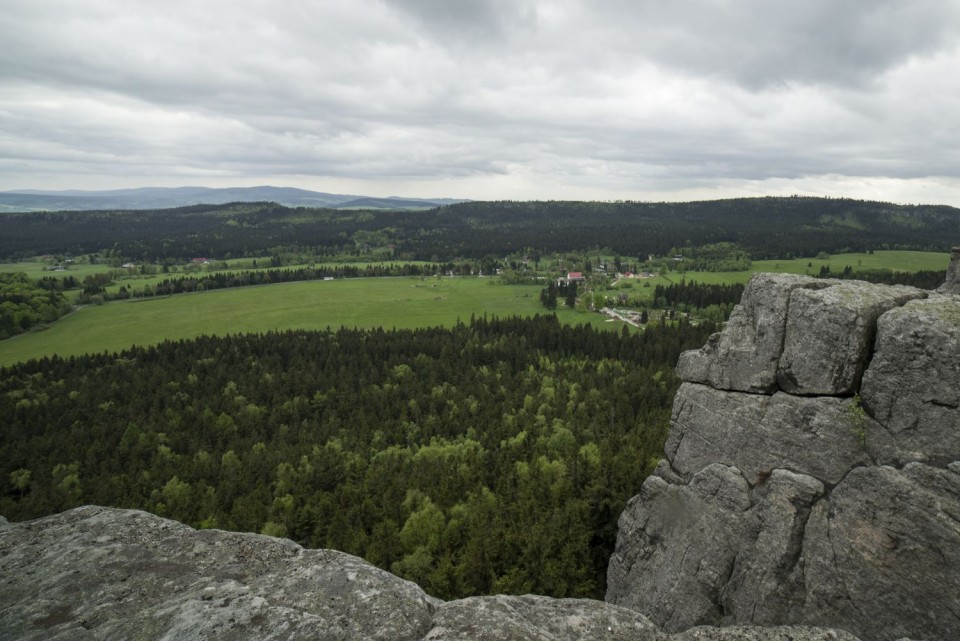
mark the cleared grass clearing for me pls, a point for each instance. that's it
(38, 269)
(898, 261)
(359, 302)
(894, 260)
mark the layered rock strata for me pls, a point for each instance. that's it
(100, 573)
(811, 470)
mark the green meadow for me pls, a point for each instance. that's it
(359, 302)
(897, 261)
(37, 268)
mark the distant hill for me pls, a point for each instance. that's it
(765, 228)
(166, 197)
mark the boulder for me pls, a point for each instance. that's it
(745, 356)
(912, 386)
(120, 574)
(829, 335)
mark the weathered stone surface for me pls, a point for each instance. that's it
(537, 618)
(883, 554)
(757, 433)
(829, 535)
(117, 574)
(745, 356)
(767, 584)
(99, 573)
(878, 556)
(912, 386)
(747, 633)
(952, 284)
(677, 547)
(829, 335)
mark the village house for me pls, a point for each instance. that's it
(572, 277)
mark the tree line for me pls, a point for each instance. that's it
(924, 279)
(95, 285)
(764, 228)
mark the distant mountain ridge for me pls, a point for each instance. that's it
(167, 197)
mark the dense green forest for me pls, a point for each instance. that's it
(25, 303)
(763, 227)
(494, 456)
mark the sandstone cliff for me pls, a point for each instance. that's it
(811, 472)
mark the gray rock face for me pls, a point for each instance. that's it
(882, 555)
(845, 513)
(768, 580)
(537, 618)
(117, 574)
(830, 333)
(781, 633)
(680, 583)
(100, 573)
(758, 434)
(913, 384)
(745, 356)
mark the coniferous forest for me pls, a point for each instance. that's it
(763, 227)
(494, 456)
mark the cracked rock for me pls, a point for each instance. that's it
(912, 386)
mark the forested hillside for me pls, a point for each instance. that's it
(491, 457)
(764, 227)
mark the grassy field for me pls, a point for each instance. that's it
(363, 302)
(359, 302)
(898, 261)
(38, 269)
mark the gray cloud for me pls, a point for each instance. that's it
(487, 98)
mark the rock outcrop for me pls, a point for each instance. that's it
(811, 472)
(101, 573)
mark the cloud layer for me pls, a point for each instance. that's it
(643, 99)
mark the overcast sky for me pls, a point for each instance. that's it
(486, 99)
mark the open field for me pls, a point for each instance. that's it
(362, 302)
(358, 302)
(898, 261)
(36, 268)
